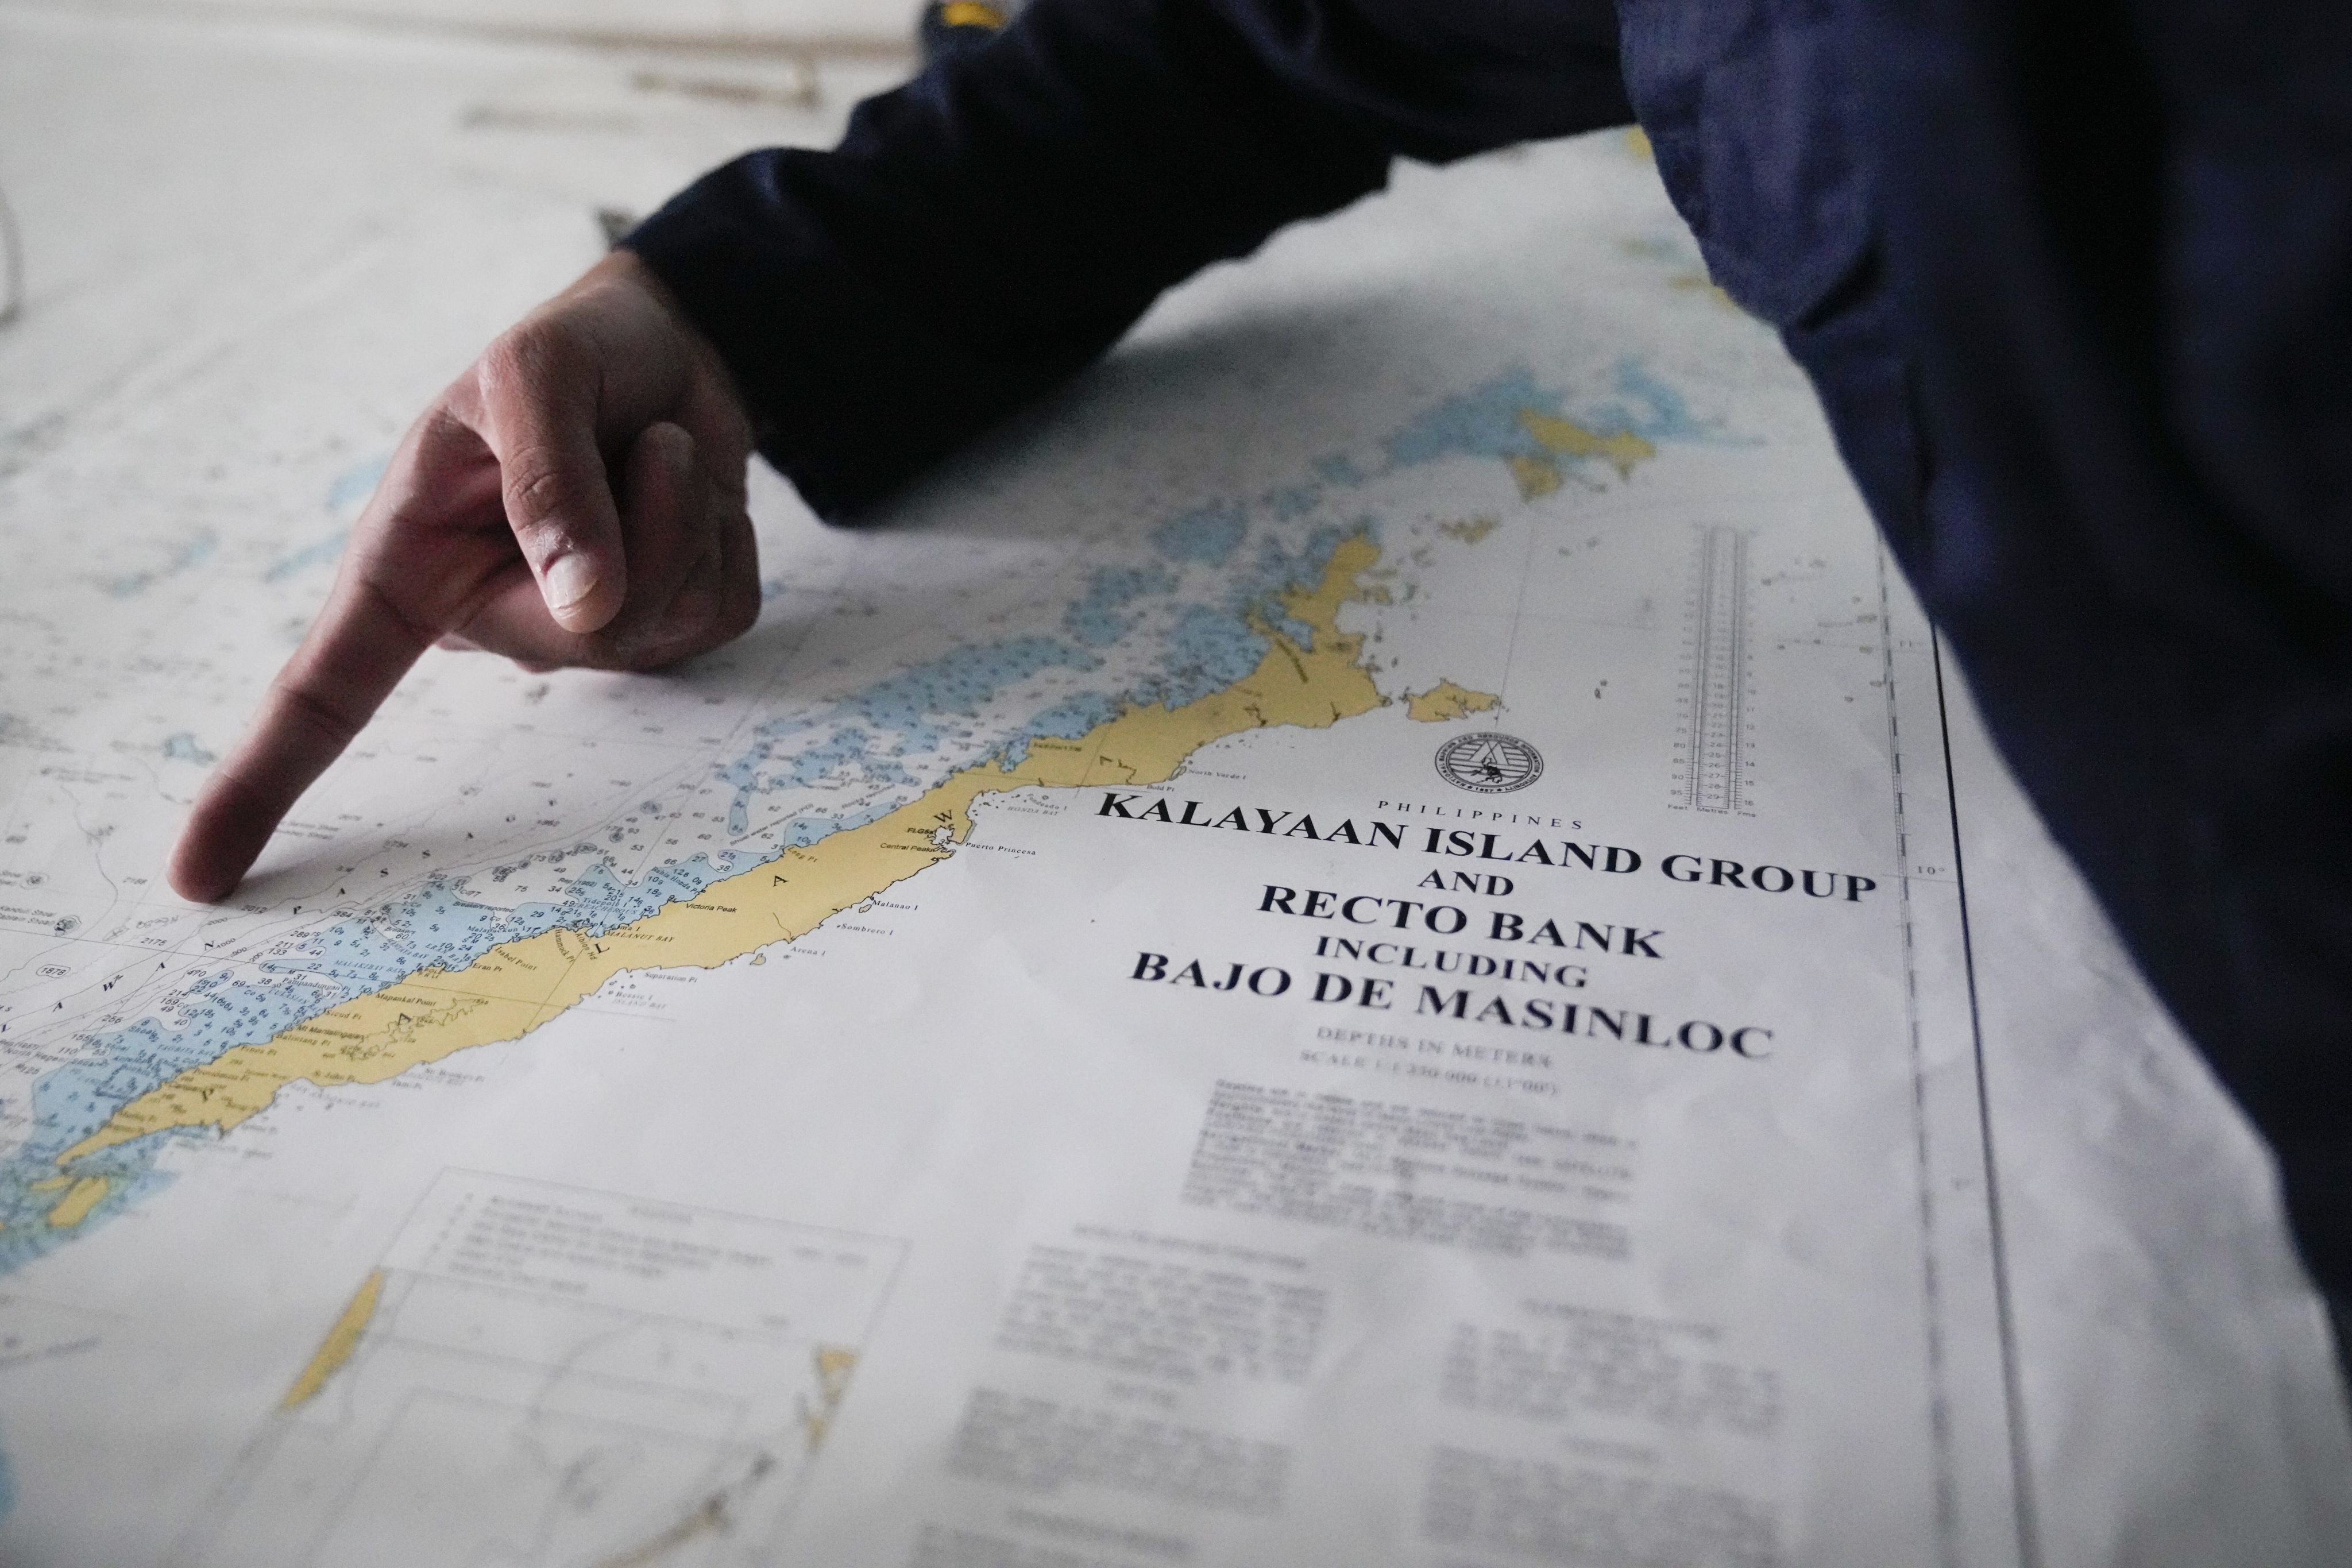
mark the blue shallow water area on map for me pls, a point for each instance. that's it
(908, 714)
(806, 830)
(346, 494)
(844, 757)
(1288, 501)
(1065, 721)
(351, 489)
(1657, 411)
(1484, 422)
(1094, 619)
(919, 704)
(1206, 534)
(1209, 649)
(1281, 567)
(1226, 564)
(184, 557)
(323, 551)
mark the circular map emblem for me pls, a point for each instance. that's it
(1488, 763)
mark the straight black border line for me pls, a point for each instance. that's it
(1939, 1429)
(2029, 1542)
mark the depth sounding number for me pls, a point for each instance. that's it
(1489, 763)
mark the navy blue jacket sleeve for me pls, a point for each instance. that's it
(989, 228)
(2120, 235)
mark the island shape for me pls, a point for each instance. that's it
(1446, 701)
(519, 985)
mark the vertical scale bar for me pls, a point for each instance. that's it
(1715, 739)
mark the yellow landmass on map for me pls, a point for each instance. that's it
(1469, 530)
(1536, 475)
(1621, 449)
(709, 1517)
(1700, 283)
(340, 1342)
(79, 1199)
(519, 986)
(1446, 700)
(833, 1364)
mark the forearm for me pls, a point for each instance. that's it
(991, 227)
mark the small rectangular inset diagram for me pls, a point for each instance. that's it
(542, 1374)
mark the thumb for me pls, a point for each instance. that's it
(539, 418)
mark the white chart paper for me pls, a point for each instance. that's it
(1352, 944)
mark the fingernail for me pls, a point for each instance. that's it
(567, 580)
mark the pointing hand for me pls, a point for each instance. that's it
(575, 498)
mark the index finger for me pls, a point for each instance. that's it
(335, 683)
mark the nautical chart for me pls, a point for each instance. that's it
(1349, 944)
